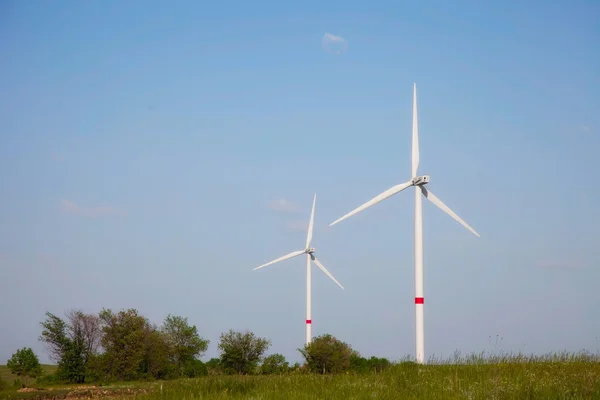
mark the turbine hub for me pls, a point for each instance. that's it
(311, 250)
(420, 180)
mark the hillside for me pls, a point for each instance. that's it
(6, 376)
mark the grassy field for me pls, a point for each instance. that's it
(550, 377)
(6, 376)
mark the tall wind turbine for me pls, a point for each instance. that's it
(310, 256)
(419, 183)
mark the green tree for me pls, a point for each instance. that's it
(71, 343)
(72, 366)
(241, 352)
(185, 344)
(274, 364)
(133, 348)
(326, 354)
(54, 335)
(125, 343)
(155, 362)
(24, 363)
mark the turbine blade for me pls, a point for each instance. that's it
(311, 223)
(415, 135)
(326, 272)
(388, 193)
(286, 257)
(433, 198)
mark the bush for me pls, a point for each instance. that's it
(326, 354)
(361, 364)
(213, 366)
(241, 351)
(379, 364)
(195, 368)
(25, 363)
(358, 364)
(48, 379)
(274, 364)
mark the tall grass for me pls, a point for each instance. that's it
(478, 376)
(555, 376)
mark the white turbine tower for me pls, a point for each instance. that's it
(419, 183)
(310, 256)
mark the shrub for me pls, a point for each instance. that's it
(274, 364)
(326, 354)
(379, 364)
(48, 379)
(195, 368)
(25, 363)
(213, 366)
(241, 351)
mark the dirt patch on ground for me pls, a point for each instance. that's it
(25, 390)
(81, 392)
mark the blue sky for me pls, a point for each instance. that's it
(144, 143)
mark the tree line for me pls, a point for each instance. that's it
(125, 346)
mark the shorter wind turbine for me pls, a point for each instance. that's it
(310, 256)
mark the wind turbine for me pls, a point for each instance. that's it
(310, 256)
(419, 183)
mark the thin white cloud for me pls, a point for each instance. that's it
(70, 207)
(586, 128)
(578, 129)
(283, 205)
(334, 44)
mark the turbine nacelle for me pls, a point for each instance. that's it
(420, 180)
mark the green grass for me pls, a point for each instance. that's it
(116, 391)
(561, 376)
(6, 376)
(509, 378)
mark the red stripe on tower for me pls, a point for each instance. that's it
(308, 321)
(419, 300)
